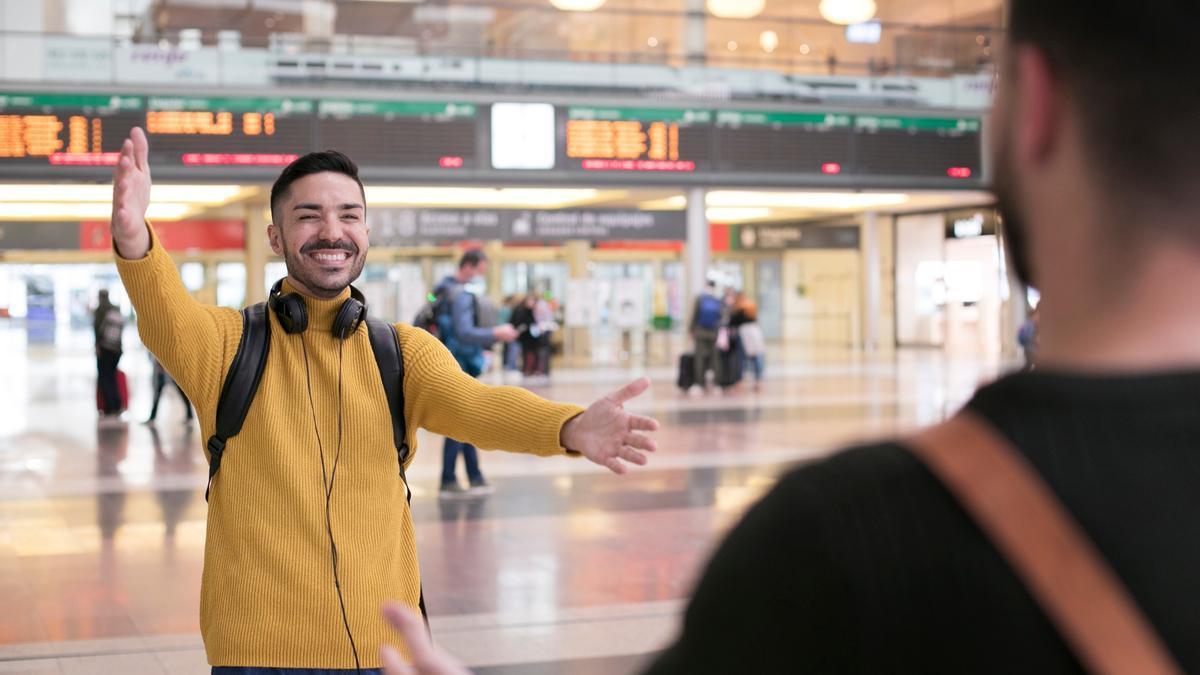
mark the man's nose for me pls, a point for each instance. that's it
(331, 228)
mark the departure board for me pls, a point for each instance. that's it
(933, 147)
(65, 129)
(47, 136)
(228, 131)
(779, 141)
(401, 133)
(636, 139)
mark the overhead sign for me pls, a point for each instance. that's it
(406, 227)
(795, 236)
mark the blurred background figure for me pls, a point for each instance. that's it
(705, 328)
(108, 325)
(743, 321)
(160, 379)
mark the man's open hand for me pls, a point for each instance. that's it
(608, 434)
(131, 197)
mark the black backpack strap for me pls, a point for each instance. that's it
(385, 342)
(241, 383)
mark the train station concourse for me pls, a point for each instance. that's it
(270, 268)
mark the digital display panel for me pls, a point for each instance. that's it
(636, 139)
(228, 131)
(934, 147)
(65, 129)
(401, 133)
(773, 142)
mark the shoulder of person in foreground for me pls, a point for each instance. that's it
(779, 594)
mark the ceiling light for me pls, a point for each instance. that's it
(200, 195)
(735, 9)
(805, 49)
(577, 5)
(731, 46)
(733, 215)
(804, 200)
(846, 12)
(675, 203)
(652, 42)
(768, 40)
(457, 196)
(84, 211)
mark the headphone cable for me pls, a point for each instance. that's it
(327, 486)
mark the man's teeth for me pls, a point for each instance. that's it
(331, 256)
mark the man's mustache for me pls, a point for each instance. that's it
(344, 245)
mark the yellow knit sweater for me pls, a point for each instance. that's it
(267, 596)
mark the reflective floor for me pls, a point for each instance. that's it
(565, 569)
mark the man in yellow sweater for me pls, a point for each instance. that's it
(309, 530)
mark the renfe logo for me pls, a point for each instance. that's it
(169, 57)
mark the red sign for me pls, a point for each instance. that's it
(237, 159)
(637, 165)
(183, 235)
(718, 237)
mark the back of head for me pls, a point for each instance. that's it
(472, 258)
(312, 163)
(1130, 69)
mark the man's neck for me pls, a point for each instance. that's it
(308, 292)
(1152, 323)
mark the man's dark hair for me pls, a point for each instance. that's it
(472, 258)
(1131, 66)
(313, 162)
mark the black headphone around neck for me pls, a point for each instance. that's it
(289, 308)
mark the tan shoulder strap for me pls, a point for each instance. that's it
(1044, 545)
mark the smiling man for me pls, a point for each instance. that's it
(309, 530)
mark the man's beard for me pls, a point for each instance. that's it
(1013, 230)
(316, 283)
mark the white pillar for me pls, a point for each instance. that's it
(695, 37)
(696, 253)
(872, 275)
(256, 251)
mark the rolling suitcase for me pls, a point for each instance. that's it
(687, 371)
(122, 389)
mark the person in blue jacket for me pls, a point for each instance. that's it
(458, 326)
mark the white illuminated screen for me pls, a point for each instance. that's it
(868, 32)
(523, 136)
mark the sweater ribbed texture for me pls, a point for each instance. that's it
(267, 595)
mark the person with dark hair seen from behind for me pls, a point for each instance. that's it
(1051, 526)
(108, 326)
(705, 327)
(309, 529)
(458, 323)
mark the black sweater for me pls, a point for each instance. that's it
(864, 563)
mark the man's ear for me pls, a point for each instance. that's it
(275, 239)
(1038, 108)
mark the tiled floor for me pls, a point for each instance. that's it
(565, 569)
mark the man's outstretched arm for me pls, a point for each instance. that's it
(190, 340)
